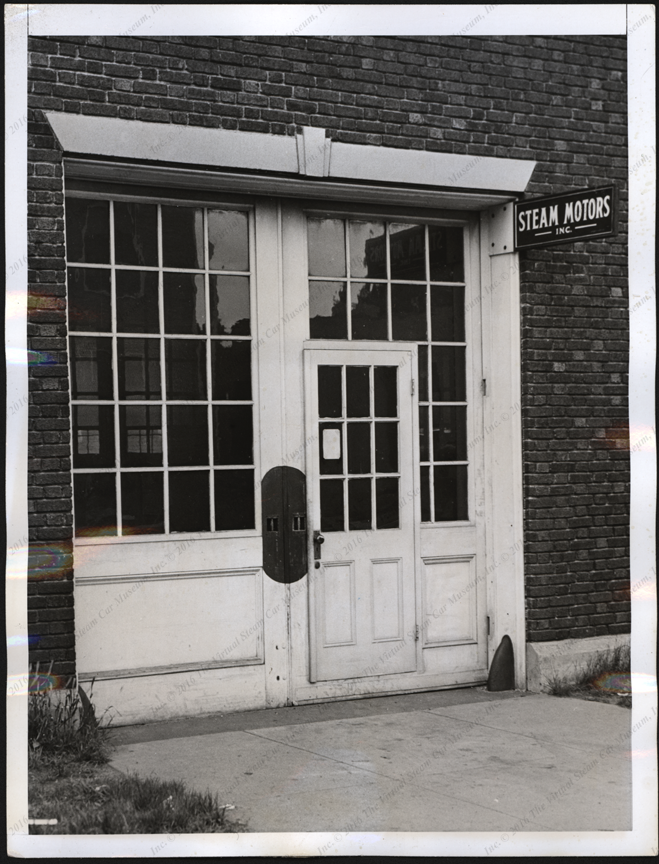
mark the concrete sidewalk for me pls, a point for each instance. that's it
(464, 760)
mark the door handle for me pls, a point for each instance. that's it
(318, 541)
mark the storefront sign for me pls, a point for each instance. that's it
(564, 218)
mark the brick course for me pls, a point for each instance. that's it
(559, 101)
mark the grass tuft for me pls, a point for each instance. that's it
(606, 677)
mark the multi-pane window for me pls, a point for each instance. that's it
(161, 374)
(382, 280)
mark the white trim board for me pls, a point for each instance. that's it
(222, 148)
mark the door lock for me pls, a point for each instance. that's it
(318, 541)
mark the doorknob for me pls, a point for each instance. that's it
(318, 541)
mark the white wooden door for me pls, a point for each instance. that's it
(360, 420)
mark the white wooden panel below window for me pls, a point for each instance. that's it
(155, 623)
(450, 601)
(387, 594)
(339, 604)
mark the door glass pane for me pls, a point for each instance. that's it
(448, 374)
(139, 368)
(446, 254)
(359, 504)
(423, 373)
(368, 310)
(327, 310)
(95, 505)
(228, 244)
(386, 391)
(327, 247)
(447, 313)
(449, 432)
(140, 433)
(368, 250)
(232, 375)
(185, 368)
(87, 231)
(189, 508)
(136, 233)
(450, 493)
(232, 434)
(331, 505)
(408, 312)
(386, 448)
(357, 391)
(91, 367)
(183, 237)
(359, 448)
(187, 435)
(234, 499)
(137, 301)
(329, 391)
(386, 502)
(424, 440)
(330, 442)
(407, 245)
(425, 493)
(185, 303)
(142, 503)
(93, 436)
(89, 299)
(229, 299)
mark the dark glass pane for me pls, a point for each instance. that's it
(136, 233)
(229, 298)
(386, 502)
(89, 299)
(424, 440)
(140, 435)
(88, 231)
(450, 493)
(182, 237)
(95, 505)
(187, 435)
(329, 391)
(407, 249)
(386, 448)
(139, 368)
(449, 433)
(232, 371)
(446, 254)
(448, 374)
(234, 500)
(185, 303)
(369, 310)
(359, 448)
(189, 508)
(91, 367)
(327, 247)
(357, 391)
(386, 391)
(425, 493)
(368, 250)
(228, 244)
(185, 368)
(327, 310)
(232, 435)
(359, 504)
(423, 373)
(408, 312)
(447, 313)
(331, 448)
(331, 505)
(93, 436)
(142, 503)
(137, 302)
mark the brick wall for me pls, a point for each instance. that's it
(558, 101)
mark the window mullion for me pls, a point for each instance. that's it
(163, 394)
(209, 379)
(115, 376)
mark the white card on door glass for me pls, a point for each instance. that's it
(331, 444)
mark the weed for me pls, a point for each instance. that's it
(605, 677)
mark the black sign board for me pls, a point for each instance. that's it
(565, 218)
